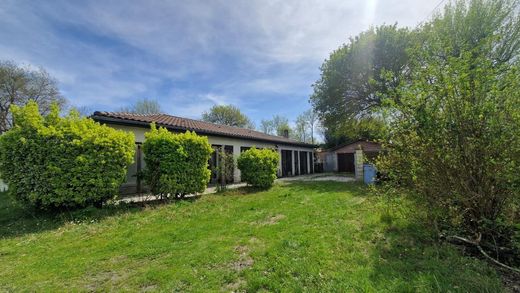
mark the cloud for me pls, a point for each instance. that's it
(262, 56)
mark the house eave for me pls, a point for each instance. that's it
(125, 122)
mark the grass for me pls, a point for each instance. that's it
(319, 236)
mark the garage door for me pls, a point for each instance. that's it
(346, 163)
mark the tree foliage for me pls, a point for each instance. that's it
(258, 167)
(143, 106)
(227, 115)
(366, 128)
(359, 75)
(176, 164)
(278, 125)
(266, 126)
(57, 162)
(19, 85)
(305, 126)
(455, 135)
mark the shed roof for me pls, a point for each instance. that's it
(175, 123)
(367, 146)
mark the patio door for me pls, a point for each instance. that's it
(303, 163)
(286, 163)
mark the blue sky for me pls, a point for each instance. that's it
(261, 56)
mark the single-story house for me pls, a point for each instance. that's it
(296, 158)
(341, 158)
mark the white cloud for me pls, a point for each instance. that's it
(190, 54)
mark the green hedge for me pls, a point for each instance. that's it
(176, 164)
(258, 167)
(57, 162)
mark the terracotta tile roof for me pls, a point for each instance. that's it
(183, 124)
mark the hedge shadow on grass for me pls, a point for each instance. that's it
(16, 220)
(356, 189)
(241, 191)
(409, 259)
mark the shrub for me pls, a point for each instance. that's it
(176, 164)
(225, 170)
(258, 167)
(455, 135)
(63, 162)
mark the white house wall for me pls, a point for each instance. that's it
(237, 143)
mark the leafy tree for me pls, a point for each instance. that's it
(359, 74)
(305, 126)
(455, 135)
(227, 115)
(19, 85)
(300, 131)
(365, 128)
(266, 126)
(278, 125)
(143, 106)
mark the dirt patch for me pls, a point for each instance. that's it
(235, 286)
(271, 220)
(149, 288)
(118, 259)
(244, 260)
(99, 279)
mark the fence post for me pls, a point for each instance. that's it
(358, 163)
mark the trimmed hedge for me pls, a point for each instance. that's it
(258, 167)
(63, 162)
(176, 164)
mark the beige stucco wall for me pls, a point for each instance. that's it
(235, 142)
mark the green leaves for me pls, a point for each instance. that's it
(176, 164)
(258, 167)
(456, 131)
(357, 77)
(56, 162)
(227, 115)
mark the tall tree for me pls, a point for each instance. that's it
(281, 125)
(19, 85)
(307, 122)
(359, 74)
(278, 125)
(267, 127)
(227, 115)
(300, 131)
(143, 106)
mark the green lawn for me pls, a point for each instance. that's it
(320, 236)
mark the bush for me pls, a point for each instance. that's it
(258, 167)
(63, 162)
(225, 170)
(455, 135)
(176, 164)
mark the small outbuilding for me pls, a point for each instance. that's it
(341, 158)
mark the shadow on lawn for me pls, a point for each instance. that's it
(16, 220)
(409, 259)
(354, 188)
